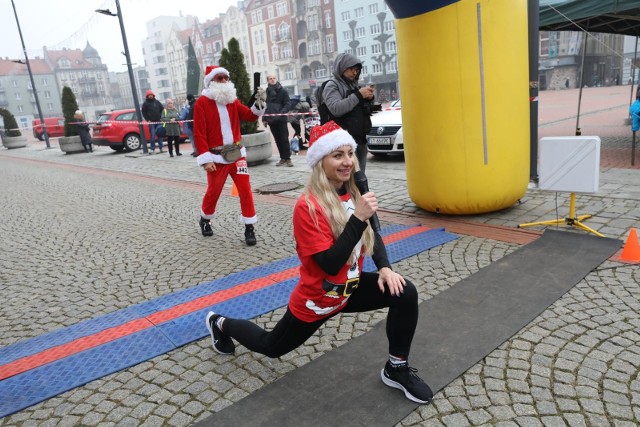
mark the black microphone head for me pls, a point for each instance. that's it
(361, 182)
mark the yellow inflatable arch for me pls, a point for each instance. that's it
(464, 87)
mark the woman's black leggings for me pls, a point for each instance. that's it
(291, 332)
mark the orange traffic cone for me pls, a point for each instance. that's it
(631, 250)
(234, 190)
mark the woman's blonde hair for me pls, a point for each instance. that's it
(326, 196)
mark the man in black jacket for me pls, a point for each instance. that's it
(278, 103)
(152, 112)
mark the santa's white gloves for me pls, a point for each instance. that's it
(261, 98)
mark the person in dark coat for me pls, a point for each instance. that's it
(278, 103)
(83, 131)
(152, 113)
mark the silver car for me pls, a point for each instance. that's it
(385, 136)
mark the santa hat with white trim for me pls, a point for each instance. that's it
(326, 139)
(211, 71)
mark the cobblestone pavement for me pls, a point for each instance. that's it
(84, 235)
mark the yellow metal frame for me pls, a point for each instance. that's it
(572, 219)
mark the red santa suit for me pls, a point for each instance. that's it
(215, 125)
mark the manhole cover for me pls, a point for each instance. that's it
(277, 188)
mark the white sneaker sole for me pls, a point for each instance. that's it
(213, 338)
(389, 382)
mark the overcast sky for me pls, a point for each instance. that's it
(71, 23)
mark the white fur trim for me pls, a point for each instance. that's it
(257, 111)
(327, 144)
(225, 124)
(205, 158)
(205, 216)
(214, 72)
(209, 157)
(246, 220)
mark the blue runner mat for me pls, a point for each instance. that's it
(41, 383)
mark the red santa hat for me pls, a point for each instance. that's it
(326, 139)
(211, 71)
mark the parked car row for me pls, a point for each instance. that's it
(120, 131)
(117, 129)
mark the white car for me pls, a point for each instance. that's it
(385, 136)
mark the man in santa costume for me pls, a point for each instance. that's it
(216, 123)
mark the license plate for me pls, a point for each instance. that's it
(379, 141)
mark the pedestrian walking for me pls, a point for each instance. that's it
(170, 117)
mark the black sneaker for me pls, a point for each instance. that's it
(405, 378)
(205, 226)
(249, 235)
(221, 343)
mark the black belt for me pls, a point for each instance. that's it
(336, 289)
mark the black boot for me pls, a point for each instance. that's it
(249, 235)
(91, 148)
(205, 226)
(170, 152)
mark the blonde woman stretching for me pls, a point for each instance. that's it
(332, 237)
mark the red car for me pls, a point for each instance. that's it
(119, 130)
(55, 127)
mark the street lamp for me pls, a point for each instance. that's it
(134, 92)
(33, 84)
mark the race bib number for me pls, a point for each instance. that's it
(242, 167)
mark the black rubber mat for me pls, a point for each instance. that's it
(457, 328)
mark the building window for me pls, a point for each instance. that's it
(376, 48)
(391, 46)
(389, 26)
(373, 8)
(365, 70)
(392, 66)
(327, 19)
(346, 16)
(289, 74)
(330, 45)
(275, 53)
(272, 32)
(281, 9)
(361, 51)
(45, 82)
(18, 96)
(359, 32)
(312, 22)
(49, 106)
(346, 36)
(47, 94)
(375, 29)
(377, 68)
(283, 31)
(20, 109)
(14, 83)
(359, 12)
(270, 12)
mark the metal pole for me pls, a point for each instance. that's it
(534, 24)
(633, 73)
(584, 51)
(33, 84)
(134, 92)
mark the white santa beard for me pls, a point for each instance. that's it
(222, 93)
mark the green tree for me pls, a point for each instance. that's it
(9, 123)
(233, 60)
(69, 108)
(193, 71)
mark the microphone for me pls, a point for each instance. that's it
(363, 186)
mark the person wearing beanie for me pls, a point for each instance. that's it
(216, 131)
(152, 112)
(332, 233)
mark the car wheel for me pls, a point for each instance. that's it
(131, 142)
(117, 148)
